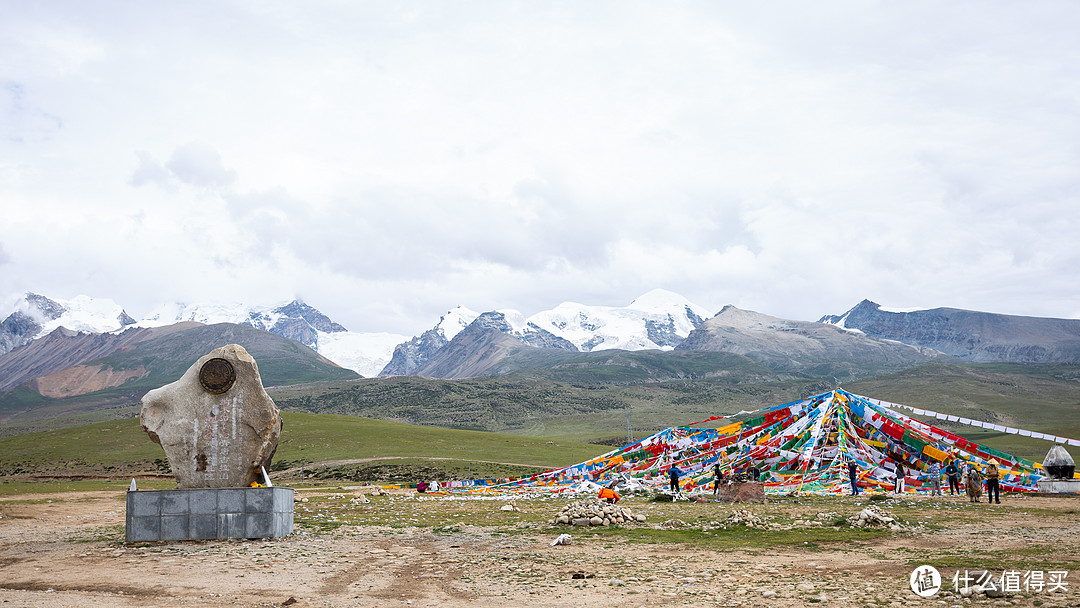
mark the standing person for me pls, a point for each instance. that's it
(993, 490)
(973, 480)
(718, 478)
(900, 472)
(853, 475)
(935, 479)
(953, 472)
(755, 473)
(674, 474)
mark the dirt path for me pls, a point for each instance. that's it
(66, 553)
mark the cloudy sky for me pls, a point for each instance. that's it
(386, 161)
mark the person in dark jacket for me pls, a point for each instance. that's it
(853, 475)
(674, 474)
(718, 478)
(993, 488)
(953, 472)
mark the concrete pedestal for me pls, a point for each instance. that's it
(204, 514)
(1059, 486)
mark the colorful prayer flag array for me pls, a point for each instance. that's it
(803, 446)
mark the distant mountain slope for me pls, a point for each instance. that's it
(63, 349)
(487, 348)
(36, 316)
(801, 347)
(970, 335)
(482, 349)
(411, 355)
(68, 372)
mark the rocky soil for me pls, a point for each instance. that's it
(403, 550)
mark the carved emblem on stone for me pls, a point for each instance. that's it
(217, 376)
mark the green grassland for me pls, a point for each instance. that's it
(542, 408)
(108, 448)
(360, 419)
(1037, 397)
(1044, 398)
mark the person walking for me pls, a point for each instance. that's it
(993, 490)
(953, 472)
(673, 475)
(900, 473)
(935, 479)
(718, 478)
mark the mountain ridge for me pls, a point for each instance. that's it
(979, 337)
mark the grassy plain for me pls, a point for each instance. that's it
(113, 447)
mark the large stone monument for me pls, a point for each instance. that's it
(1060, 472)
(216, 424)
(219, 430)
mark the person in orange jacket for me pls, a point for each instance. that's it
(609, 494)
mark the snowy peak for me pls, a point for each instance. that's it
(410, 356)
(36, 315)
(294, 320)
(455, 320)
(658, 319)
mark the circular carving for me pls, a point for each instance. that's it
(217, 376)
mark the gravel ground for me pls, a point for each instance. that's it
(67, 550)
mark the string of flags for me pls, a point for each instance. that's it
(803, 446)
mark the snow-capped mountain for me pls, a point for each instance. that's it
(658, 319)
(36, 316)
(409, 356)
(365, 353)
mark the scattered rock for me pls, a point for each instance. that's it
(993, 591)
(874, 517)
(595, 513)
(742, 517)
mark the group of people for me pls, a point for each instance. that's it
(969, 475)
(424, 487)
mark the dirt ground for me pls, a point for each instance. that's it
(67, 550)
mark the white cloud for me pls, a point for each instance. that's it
(391, 162)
